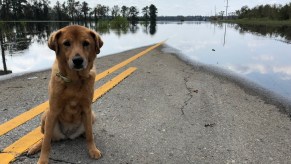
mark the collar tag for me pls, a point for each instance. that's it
(65, 79)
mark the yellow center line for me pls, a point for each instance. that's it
(112, 83)
(24, 117)
(127, 61)
(23, 144)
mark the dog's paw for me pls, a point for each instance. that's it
(32, 151)
(95, 153)
(42, 161)
(35, 148)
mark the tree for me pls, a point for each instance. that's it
(244, 11)
(115, 11)
(153, 12)
(145, 12)
(17, 8)
(6, 8)
(101, 11)
(45, 9)
(124, 11)
(105, 11)
(95, 13)
(28, 11)
(71, 8)
(78, 12)
(57, 9)
(65, 14)
(85, 9)
(68, 10)
(221, 13)
(133, 13)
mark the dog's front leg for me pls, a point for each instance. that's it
(87, 119)
(48, 132)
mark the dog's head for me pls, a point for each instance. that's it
(77, 46)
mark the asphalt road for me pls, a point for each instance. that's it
(165, 112)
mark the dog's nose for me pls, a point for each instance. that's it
(78, 61)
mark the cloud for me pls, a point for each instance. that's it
(264, 58)
(251, 68)
(283, 69)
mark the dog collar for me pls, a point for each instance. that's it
(65, 79)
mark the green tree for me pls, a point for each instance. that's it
(105, 11)
(115, 11)
(101, 11)
(285, 12)
(146, 12)
(17, 8)
(124, 11)
(45, 9)
(78, 10)
(6, 9)
(153, 12)
(72, 8)
(244, 12)
(133, 13)
(57, 9)
(65, 14)
(221, 13)
(85, 9)
(95, 13)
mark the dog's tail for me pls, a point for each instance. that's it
(35, 148)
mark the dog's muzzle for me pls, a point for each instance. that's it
(78, 63)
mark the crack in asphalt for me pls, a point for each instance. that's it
(36, 157)
(190, 96)
(59, 160)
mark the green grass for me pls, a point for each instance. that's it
(259, 22)
(119, 22)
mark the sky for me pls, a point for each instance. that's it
(184, 7)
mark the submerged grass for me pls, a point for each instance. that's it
(254, 21)
(118, 23)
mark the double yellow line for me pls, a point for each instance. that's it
(21, 145)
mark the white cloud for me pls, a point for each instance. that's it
(283, 69)
(251, 68)
(264, 58)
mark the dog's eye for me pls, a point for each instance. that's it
(67, 43)
(85, 43)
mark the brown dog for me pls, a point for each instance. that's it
(71, 89)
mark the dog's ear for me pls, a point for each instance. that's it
(98, 41)
(53, 40)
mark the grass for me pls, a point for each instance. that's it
(254, 21)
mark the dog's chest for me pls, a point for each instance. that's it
(76, 100)
(76, 91)
(73, 107)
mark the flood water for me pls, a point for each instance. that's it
(258, 53)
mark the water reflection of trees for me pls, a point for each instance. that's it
(149, 27)
(18, 36)
(270, 31)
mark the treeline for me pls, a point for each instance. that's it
(182, 18)
(71, 10)
(275, 12)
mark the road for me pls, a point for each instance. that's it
(166, 111)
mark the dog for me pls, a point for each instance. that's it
(71, 89)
